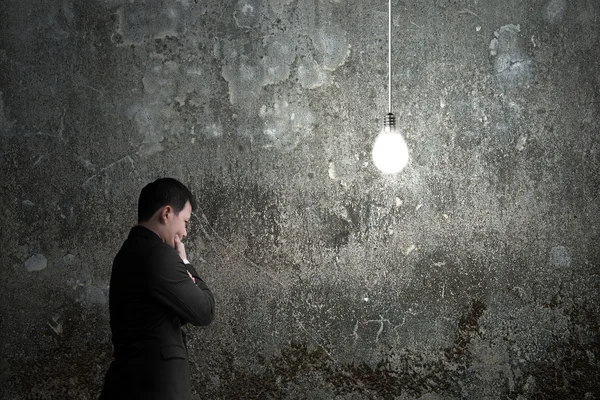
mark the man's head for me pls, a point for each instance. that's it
(164, 207)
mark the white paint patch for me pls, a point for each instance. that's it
(410, 249)
(248, 72)
(511, 63)
(276, 63)
(148, 148)
(195, 71)
(279, 6)
(311, 75)
(215, 129)
(152, 19)
(521, 143)
(332, 45)
(244, 83)
(56, 326)
(286, 123)
(560, 256)
(94, 295)
(247, 75)
(555, 11)
(36, 262)
(493, 47)
(247, 13)
(87, 164)
(147, 122)
(331, 170)
(67, 10)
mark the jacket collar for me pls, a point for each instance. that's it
(140, 231)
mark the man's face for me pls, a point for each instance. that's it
(176, 224)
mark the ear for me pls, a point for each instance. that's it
(165, 214)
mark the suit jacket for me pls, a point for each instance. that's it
(151, 296)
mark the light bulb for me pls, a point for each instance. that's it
(390, 152)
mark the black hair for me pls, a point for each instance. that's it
(163, 192)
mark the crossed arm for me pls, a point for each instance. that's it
(178, 286)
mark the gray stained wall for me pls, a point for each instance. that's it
(473, 274)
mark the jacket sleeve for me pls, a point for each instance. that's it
(169, 282)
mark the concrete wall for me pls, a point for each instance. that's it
(473, 274)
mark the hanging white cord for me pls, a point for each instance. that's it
(390, 57)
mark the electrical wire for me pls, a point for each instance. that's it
(390, 56)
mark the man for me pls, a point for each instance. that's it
(154, 290)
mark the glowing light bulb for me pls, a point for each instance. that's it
(390, 152)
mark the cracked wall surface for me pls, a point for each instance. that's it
(473, 274)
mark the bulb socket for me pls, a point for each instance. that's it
(389, 122)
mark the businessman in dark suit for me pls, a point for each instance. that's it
(154, 290)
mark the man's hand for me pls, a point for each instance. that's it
(191, 277)
(180, 248)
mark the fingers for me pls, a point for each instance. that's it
(191, 277)
(178, 243)
(180, 248)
